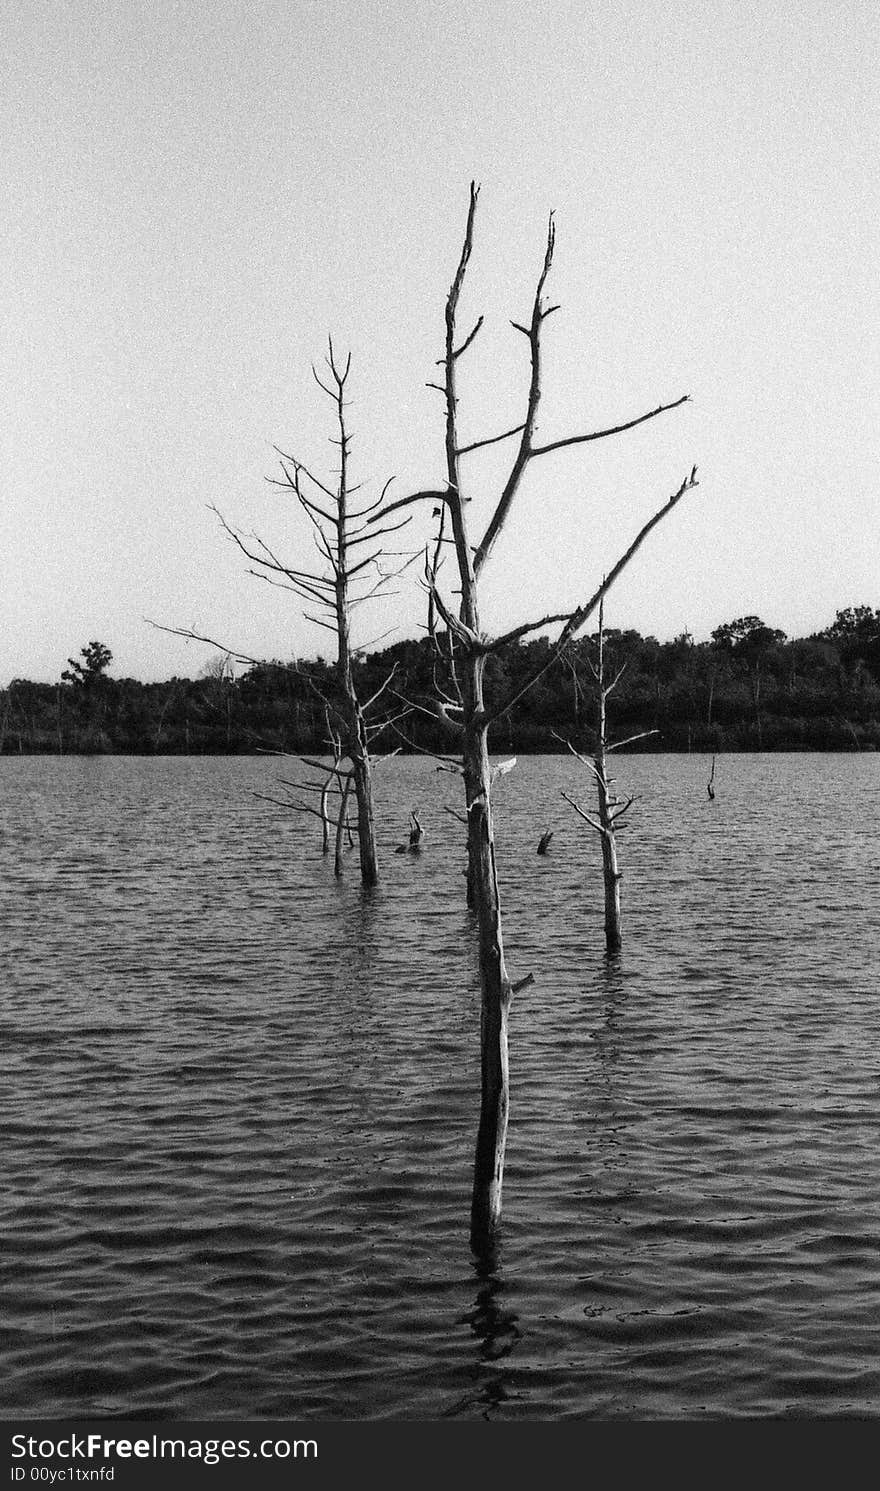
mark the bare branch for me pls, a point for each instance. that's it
(297, 588)
(467, 341)
(464, 450)
(366, 538)
(329, 626)
(380, 690)
(593, 822)
(467, 247)
(429, 496)
(495, 644)
(584, 760)
(459, 628)
(450, 763)
(313, 508)
(437, 713)
(192, 636)
(524, 451)
(318, 766)
(609, 688)
(577, 618)
(298, 466)
(328, 391)
(365, 646)
(364, 563)
(388, 756)
(301, 807)
(630, 424)
(618, 745)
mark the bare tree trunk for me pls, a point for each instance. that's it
(607, 804)
(496, 992)
(358, 746)
(610, 871)
(340, 827)
(362, 773)
(340, 526)
(363, 787)
(611, 808)
(325, 823)
(459, 700)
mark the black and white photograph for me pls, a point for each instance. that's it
(439, 723)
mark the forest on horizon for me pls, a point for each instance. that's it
(750, 688)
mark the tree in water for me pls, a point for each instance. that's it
(612, 809)
(352, 575)
(463, 648)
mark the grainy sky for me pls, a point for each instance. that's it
(197, 193)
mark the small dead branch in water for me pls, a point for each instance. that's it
(611, 808)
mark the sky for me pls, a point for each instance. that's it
(197, 194)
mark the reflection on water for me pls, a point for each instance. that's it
(495, 1328)
(239, 1101)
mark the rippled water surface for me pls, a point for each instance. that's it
(239, 1099)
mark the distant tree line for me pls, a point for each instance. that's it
(750, 688)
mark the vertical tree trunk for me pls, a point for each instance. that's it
(340, 827)
(363, 787)
(325, 823)
(358, 743)
(495, 986)
(469, 643)
(361, 769)
(610, 871)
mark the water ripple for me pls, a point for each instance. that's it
(239, 1101)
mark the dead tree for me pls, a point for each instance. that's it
(460, 703)
(351, 576)
(612, 809)
(413, 844)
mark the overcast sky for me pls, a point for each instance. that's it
(198, 192)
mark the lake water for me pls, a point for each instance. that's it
(240, 1099)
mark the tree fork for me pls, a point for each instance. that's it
(468, 648)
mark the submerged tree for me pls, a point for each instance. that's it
(460, 702)
(351, 576)
(612, 809)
